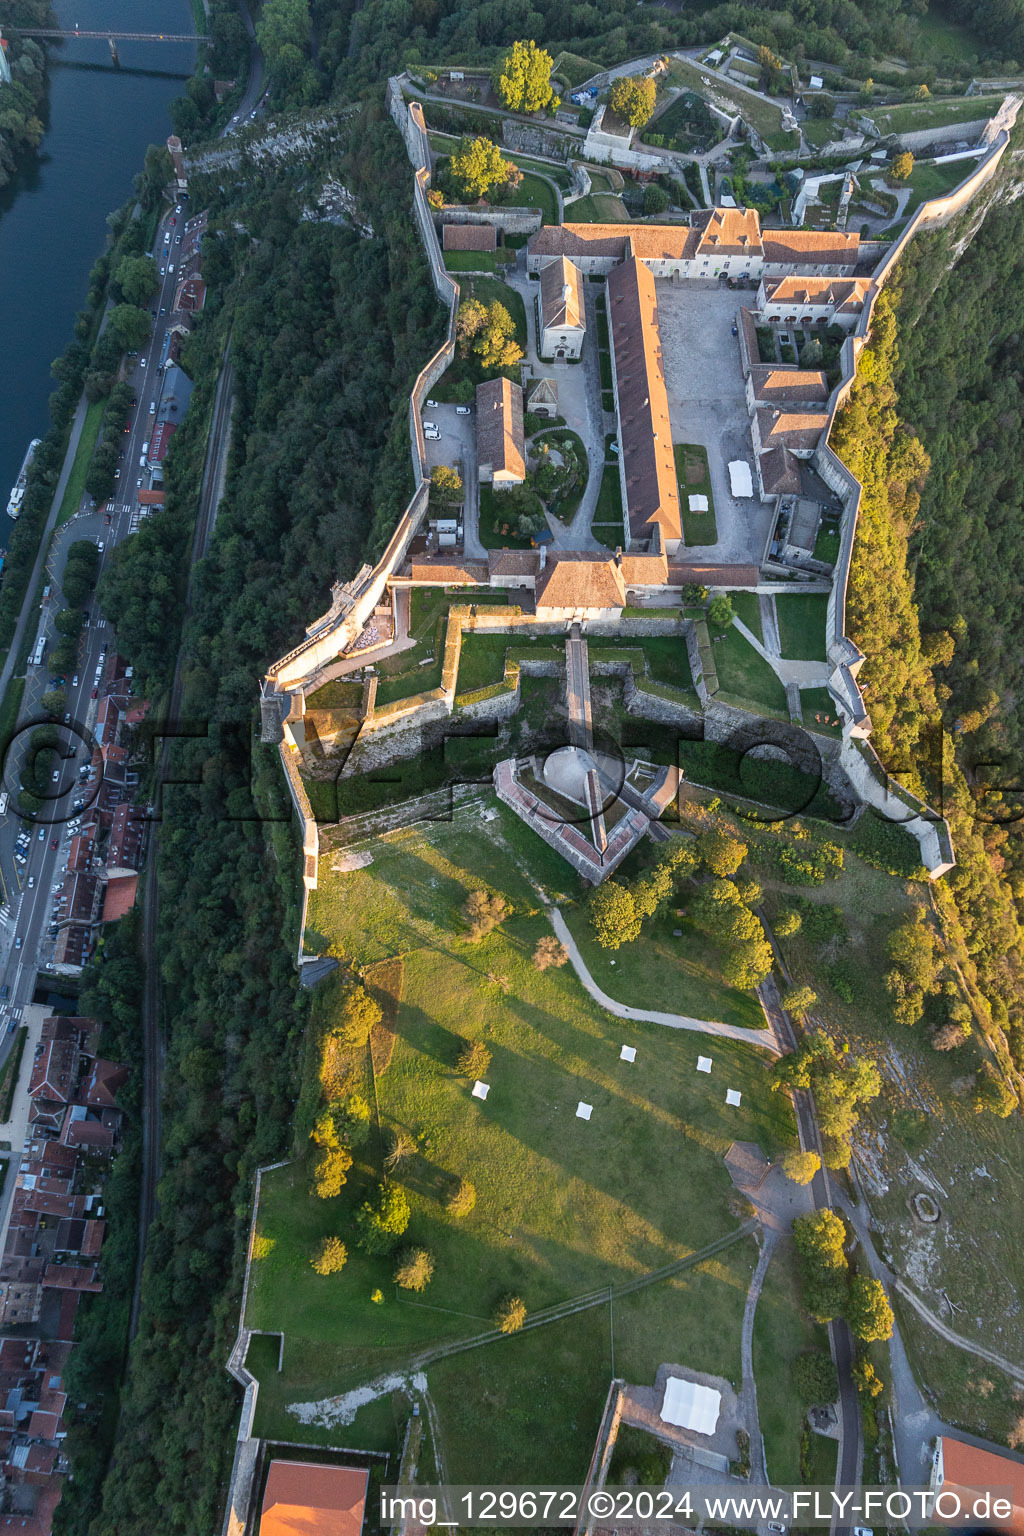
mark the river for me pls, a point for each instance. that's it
(99, 123)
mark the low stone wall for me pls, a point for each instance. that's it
(513, 221)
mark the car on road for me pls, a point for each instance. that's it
(735, 332)
(177, 239)
(42, 833)
(138, 484)
(95, 693)
(152, 407)
(106, 520)
(55, 776)
(53, 845)
(142, 362)
(613, 445)
(163, 271)
(101, 546)
(462, 410)
(17, 942)
(164, 310)
(31, 882)
(74, 681)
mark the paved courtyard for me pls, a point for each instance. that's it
(707, 404)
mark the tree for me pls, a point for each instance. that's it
(523, 80)
(435, 198)
(787, 923)
(381, 1222)
(868, 1311)
(812, 353)
(461, 1200)
(821, 105)
(415, 1269)
(473, 1059)
(911, 947)
(922, 93)
(815, 1378)
(68, 622)
(720, 852)
(820, 1239)
(353, 1015)
(483, 911)
(55, 702)
(720, 611)
(902, 167)
(330, 1256)
(136, 276)
(510, 1315)
(477, 165)
(613, 915)
(632, 99)
(549, 952)
(771, 68)
(496, 345)
(129, 326)
(991, 1093)
(747, 964)
(655, 199)
(446, 482)
(799, 1001)
(865, 1378)
(331, 1172)
(801, 1166)
(867, 90)
(841, 1082)
(469, 322)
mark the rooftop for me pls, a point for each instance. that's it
(310, 1499)
(645, 431)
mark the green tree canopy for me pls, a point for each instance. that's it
(136, 276)
(523, 80)
(868, 1311)
(632, 99)
(129, 326)
(478, 165)
(382, 1221)
(613, 915)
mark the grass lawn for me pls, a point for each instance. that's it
(567, 1366)
(782, 1331)
(928, 181)
(746, 607)
(534, 192)
(826, 544)
(665, 655)
(694, 478)
(574, 68)
(410, 671)
(746, 675)
(819, 711)
(820, 131)
(482, 659)
(598, 208)
(490, 290)
(937, 112)
(609, 498)
(667, 974)
(563, 1206)
(802, 619)
(608, 534)
(471, 261)
(339, 693)
(75, 488)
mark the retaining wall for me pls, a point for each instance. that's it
(514, 221)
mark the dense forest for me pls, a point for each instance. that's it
(21, 102)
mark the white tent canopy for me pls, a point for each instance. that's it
(740, 480)
(698, 503)
(691, 1406)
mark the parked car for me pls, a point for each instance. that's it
(462, 410)
(53, 845)
(31, 882)
(17, 942)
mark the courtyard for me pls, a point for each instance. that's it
(707, 405)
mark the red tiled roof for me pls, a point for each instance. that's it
(119, 898)
(645, 431)
(966, 1467)
(310, 1499)
(470, 237)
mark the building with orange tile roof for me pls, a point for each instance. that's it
(500, 440)
(961, 1469)
(312, 1499)
(561, 317)
(647, 468)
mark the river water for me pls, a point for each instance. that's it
(100, 122)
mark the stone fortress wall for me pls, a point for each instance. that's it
(300, 671)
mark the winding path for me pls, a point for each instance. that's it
(765, 1039)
